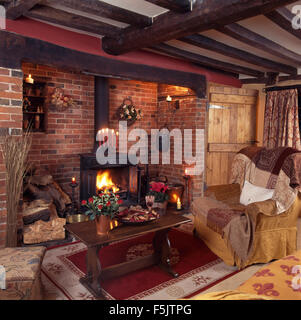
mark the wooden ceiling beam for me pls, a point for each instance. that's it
(106, 10)
(283, 18)
(265, 80)
(175, 5)
(72, 21)
(15, 9)
(206, 14)
(205, 61)
(257, 41)
(219, 47)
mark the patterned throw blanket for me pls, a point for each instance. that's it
(278, 168)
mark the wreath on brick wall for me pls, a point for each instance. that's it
(128, 112)
(61, 101)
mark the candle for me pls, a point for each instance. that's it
(179, 205)
(29, 79)
(73, 180)
(117, 140)
(168, 98)
(186, 172)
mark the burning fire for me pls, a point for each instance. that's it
(104, 182)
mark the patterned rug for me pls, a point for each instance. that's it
(197, 266)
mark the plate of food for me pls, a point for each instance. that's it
(137, 215)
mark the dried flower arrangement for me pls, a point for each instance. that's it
(129, 112)
(15, 151)
(60, 100)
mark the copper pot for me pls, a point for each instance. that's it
(102, 224)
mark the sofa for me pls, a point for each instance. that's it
(265, 230)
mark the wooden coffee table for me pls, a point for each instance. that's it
(86, 232)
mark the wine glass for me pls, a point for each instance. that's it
(149, 200)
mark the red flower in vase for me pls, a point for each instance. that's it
(84, 202)
(90, 200)
(108, 203)
(158, 187)
(100, 207)
(119, 201)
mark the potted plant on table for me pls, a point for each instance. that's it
(159, 191)
(103, 209)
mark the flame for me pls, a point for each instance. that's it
(175, 197)
(104, 181)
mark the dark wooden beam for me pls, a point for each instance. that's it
(205, 61)
(257, 41)
(265, 80)
(175, 5)
(72, 21)
(16, 48)
(15, 9)
(283, 17)
(213, 45)
(206, 14)
(106, 10)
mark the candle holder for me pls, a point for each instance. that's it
(74, 208)
(187, 179)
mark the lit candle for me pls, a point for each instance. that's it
(117, 140)
(29, 79)
(73, 180)
(179, 205)
(168, 99)
(186, 172)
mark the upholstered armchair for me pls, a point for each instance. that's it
(270, 226)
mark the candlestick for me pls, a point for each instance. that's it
(73, 185)
(179, 205)
(187, 178)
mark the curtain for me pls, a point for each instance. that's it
(281, 120)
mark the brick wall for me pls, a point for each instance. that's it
(70, 132)
(144, 96)
(10, 122)
(157, 113)
(190, 115)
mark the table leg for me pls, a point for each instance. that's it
(92, 278)
(163, 250)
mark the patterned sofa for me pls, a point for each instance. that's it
(279, 280)
(22, 276)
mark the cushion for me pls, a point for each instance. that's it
(279, 280)
(251, 193)
(22, 263)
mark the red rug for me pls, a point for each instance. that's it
(197, 266)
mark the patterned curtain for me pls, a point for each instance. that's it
(281, 120)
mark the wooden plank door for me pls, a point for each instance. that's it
(231, 127)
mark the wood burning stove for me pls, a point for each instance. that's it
(125, 177)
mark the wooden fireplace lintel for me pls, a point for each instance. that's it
(15, 49)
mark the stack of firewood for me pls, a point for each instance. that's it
(44, 208)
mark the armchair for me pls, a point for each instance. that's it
(271, 224)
